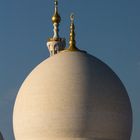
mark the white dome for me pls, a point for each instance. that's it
(72, 96)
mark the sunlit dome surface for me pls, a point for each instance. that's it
(72, 96)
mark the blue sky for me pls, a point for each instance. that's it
(107, 29)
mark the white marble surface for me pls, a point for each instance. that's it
(72, 96)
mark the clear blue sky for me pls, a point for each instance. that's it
(107, 29)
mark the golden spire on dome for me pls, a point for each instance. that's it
(72, 42)
(56, 17)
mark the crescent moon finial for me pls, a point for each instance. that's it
(72, 17)
(56, 2)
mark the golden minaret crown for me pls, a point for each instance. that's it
(56, 17)
(56, 44)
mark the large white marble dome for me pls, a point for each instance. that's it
(72, 96)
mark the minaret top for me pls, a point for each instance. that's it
(56, 17)
(56, 44)
(56, 20)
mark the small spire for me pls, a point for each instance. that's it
(56, 17)
(56, 20)
(72, 42)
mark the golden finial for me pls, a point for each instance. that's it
(72, 42)
(56, 17)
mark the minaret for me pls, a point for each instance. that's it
(56, 44)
